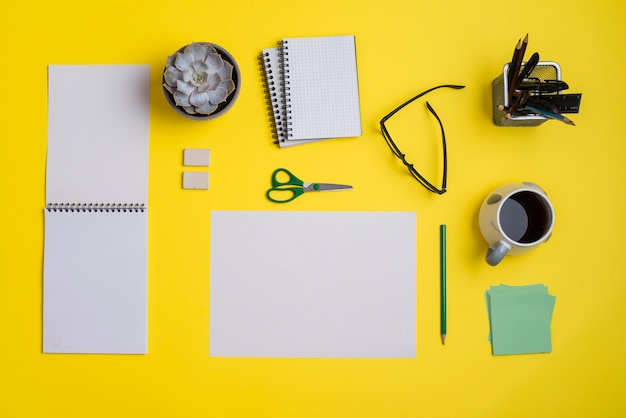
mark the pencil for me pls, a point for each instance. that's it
(549, 115)
(442, 242)
(519, 101)
(516, 66)
(513, 60)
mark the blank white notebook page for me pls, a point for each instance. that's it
(98, 133)
(323, 94)
(313, 284)
(95, 282)
(95, 261)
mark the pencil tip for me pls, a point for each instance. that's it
(443, 339)
(526, 38)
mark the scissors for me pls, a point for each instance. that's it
(280, 192)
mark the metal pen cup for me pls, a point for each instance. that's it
(545, 70)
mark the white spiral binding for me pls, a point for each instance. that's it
(96, 207)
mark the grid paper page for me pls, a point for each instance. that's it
(322, 86)
(313, 284)
(95, 282)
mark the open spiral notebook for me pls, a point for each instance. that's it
(312, 89)
(95, 245)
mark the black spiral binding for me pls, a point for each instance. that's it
(284, 51)
(271, 100)
(96, 207)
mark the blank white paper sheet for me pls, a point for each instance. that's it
(313, 284)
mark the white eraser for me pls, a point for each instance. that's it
(196, 180)
(196, 157)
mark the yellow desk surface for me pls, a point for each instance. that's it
(403, 47)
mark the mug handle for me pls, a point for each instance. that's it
(496, 252)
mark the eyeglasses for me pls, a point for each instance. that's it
(394, 148)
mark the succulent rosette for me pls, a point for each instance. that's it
(198, 78)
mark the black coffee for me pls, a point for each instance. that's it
(525, 217)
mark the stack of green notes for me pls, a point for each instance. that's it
(519, 319)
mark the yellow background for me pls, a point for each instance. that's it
(403, 48)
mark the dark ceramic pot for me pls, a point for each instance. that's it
(222, 107)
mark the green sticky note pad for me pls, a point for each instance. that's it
(519, 318)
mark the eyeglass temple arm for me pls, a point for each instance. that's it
(397, 109)
(445, 150)
(411, 168)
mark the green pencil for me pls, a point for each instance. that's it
(442, 241)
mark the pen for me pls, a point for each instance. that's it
(549, 86)
(442, 242)
(528, 68)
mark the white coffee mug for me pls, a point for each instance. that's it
(514, 219)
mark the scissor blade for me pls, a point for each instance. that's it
(325, 187)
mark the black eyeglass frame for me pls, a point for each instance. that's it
(396, 151)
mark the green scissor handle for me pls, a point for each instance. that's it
(278, 188)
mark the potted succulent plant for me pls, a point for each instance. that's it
(201, 80)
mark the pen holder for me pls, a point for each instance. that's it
(546, 70)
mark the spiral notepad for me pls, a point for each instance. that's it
(273, 80)
(95, 245)
(312, 87)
